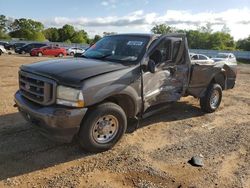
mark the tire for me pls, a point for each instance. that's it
(39, 54)
(212, 99)
(60, 55)
(72, 53)
(1, 52)
(107, 115)
(23, 52)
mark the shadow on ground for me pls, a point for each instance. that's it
(24, 150)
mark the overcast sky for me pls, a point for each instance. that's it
(96, 16)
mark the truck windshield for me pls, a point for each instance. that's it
(118, 48)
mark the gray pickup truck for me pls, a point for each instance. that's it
(114, 84)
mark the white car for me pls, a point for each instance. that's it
(2, 50)
(229, 57)
(73, 51)
(200, 58)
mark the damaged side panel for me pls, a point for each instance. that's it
(171, 77)
(201, 76)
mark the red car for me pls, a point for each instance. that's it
(49, 50)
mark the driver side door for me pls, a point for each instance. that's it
(170, 78)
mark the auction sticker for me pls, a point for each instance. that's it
(135, 43)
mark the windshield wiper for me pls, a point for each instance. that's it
(104, 56)
(83, 56)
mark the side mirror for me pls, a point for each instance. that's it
(151, 66)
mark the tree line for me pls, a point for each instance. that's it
(205, 38)
(201, 38)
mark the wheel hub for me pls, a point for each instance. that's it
(214, 99)
(105, 129)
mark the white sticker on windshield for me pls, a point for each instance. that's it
(134, 43)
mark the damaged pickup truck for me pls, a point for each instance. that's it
(116, 82)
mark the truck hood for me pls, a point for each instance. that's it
(72, 71)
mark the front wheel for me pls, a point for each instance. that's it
(211, 101)
(103, 127)
(39, 54)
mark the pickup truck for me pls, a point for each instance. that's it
(116, 83)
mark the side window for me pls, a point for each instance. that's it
(202, 57)
(195, 57)
(176, 49)
(162, 53)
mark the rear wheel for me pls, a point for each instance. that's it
(60, 55)
(211, 101)
(72, 53)
(103, 127)
(39, 54)
(1, 52)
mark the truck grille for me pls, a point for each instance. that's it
(38, 89)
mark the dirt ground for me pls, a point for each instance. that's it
(155, 155)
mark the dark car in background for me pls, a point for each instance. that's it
(28, 47)
(18, 45)
(6, 45)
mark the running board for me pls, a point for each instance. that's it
(155, 110)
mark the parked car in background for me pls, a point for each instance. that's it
(5, 45)
(49, 50)
(229, 57)
(18, 45)
(73, 51)
(28, 47)
(200, 58)
(2, 50)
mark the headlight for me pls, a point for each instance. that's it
(69, 96)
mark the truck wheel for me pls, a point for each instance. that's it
(103, 127)
(211, 101)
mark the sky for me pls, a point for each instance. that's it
(133, 16)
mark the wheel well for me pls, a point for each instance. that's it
(220, 79)
(125, 102)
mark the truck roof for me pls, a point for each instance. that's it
(150, 35)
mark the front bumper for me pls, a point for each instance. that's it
(56, 122)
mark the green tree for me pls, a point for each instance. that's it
(108, 33)
(66, 32)
(78, 37)
(207, 28)
(4, 24)
(37, 36)
(162, 29)
(221, 41)
(197, 39)
(244, 44)
(27, 28)
(51, 34)
(95, 39)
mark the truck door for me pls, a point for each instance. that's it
(170, 80)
